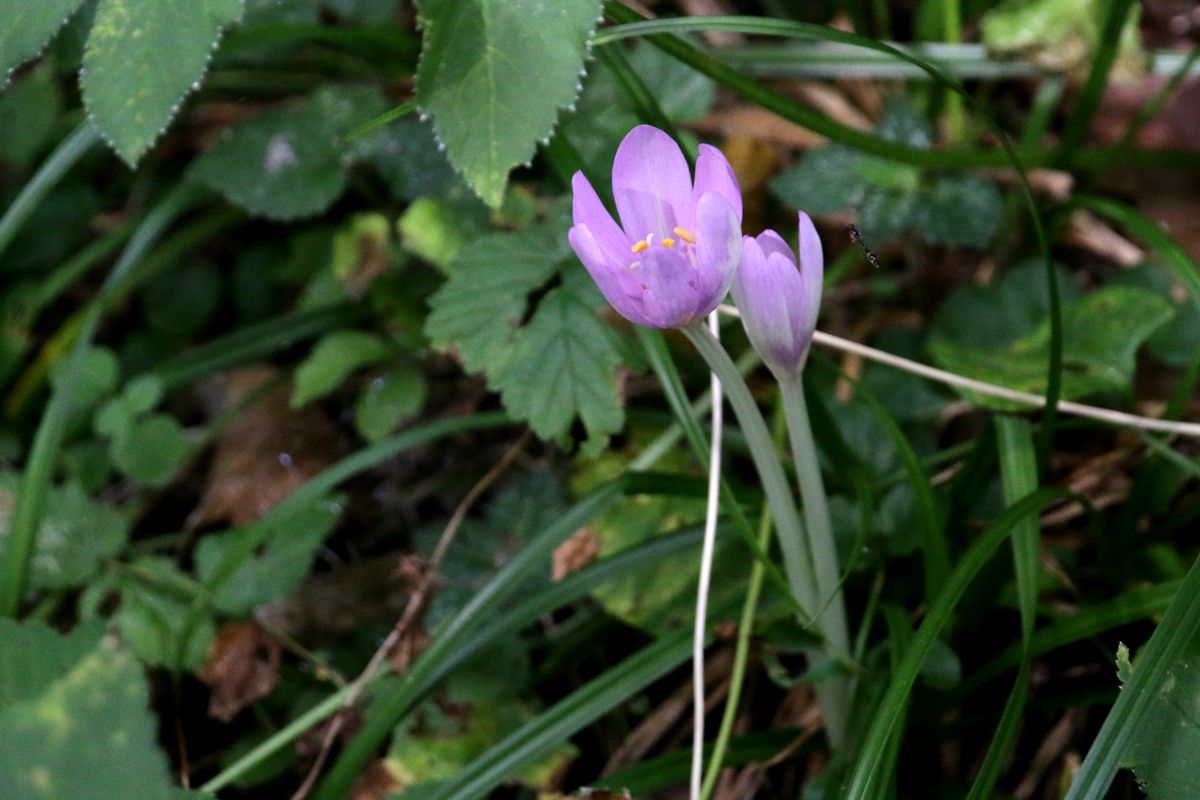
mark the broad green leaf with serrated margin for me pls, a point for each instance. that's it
(1165, 751)
(33, 655)
(493, 76)
(75, 537)
(332, 359)
(563, 366)
(1101, 334)
(89, 734)
(28, 26)
(479, 309)
(142, 58)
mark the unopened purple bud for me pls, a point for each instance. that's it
(672, 258)
(779, 299)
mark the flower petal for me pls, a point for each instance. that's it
(718, 249)
(651, 184)
(764, 290)
(713, 174)
(671, 289)
(617, 282)
(772, 242)
(812, 267)
(587, 209)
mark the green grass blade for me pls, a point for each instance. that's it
(585, 705)
(1093, 90)
(1178, 628)
(46, 178)
(1018, 477)
(866, 774)
(47, 441)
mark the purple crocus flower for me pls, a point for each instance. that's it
(779, 300)
(672, 258)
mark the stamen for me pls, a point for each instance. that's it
(668, 242)
(643, 244)
(685, 234)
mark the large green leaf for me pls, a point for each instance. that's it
(27, 28)
(33, 655)
(89, 734)
(478, 310)
(142, 58)
(494, 74)
(563, 365)
(1165, 750)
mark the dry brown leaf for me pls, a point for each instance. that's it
(575, 553)
(265, 453)
(376, 782)
(242, 666)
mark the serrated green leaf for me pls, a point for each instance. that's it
(823, 181)
(27, 28)
(493, 76)
(279, 564)
(479, 309)
(332, 359)
(33, 656)
(1101, 332)
(75, 537)
(150, 450)
(388, 400)
(563, 366)
(1165, 751)
(90, 734)
(142, 59)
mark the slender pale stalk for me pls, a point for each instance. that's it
(740, 656)
(816, 507)
(706, 558)
(798, 566)
(822, 546)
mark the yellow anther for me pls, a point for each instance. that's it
(668, 242)
(640, 246)
(685, 234)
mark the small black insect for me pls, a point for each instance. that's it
(858, 240)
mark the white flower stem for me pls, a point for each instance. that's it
(798, 566)
(706, 558)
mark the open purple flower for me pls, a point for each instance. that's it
(778, 300)
(672, 258)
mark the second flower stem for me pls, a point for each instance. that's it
(823, 549)
(833, 695)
